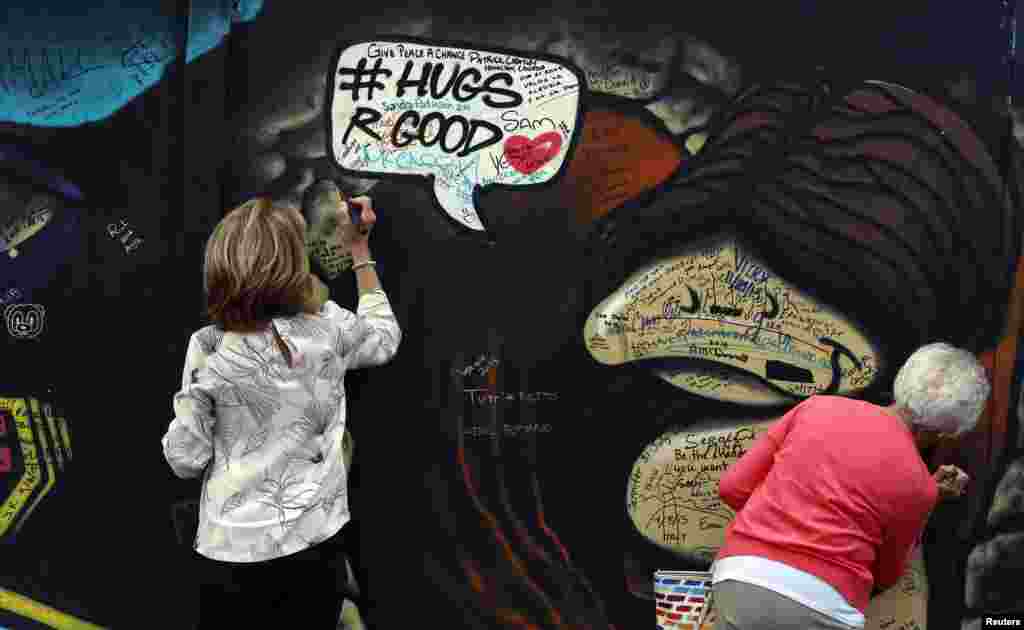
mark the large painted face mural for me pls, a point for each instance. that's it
(620, 248)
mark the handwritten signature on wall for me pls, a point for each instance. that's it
(119, 230)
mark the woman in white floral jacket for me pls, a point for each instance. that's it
(261, 413)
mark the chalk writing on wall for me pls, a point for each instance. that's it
(482, 396)
(120, 230)
(480, 366)
(719, 305)
(465, 117)
(672, 492)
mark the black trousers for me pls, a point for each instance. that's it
(303, 590)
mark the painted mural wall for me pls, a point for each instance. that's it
(621, 241)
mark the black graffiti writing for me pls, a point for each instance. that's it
(725, 445)
(774, 312)
(426, 136)
(716, 353)
(838, 350)
(41, 70)
(726, 310)
(454, 134)
(673, 309)
(427, 82)
(363, 78)
(144, 57)
(400, 51)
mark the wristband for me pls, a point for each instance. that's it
(365, 263)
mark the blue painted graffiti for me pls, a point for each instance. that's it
(64, 64)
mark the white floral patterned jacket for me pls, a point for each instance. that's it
(266, 437)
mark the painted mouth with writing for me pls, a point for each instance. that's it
(719, 305)
(672, 492)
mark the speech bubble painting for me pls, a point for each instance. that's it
(465, 117)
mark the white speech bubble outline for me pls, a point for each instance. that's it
(547, 120)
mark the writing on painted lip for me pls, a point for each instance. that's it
(716, 353)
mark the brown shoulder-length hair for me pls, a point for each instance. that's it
(256, 268)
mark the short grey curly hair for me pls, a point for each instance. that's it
(942, 388)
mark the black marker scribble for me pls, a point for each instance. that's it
(838, 350)
(726, 310)
(673, 308)
(772, 314)
(144, 56)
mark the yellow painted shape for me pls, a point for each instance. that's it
(696, 142)
(65, 433)
(29, 480)
(47, 615)
(23, 227)
(47, 459)
(719, 305)
(672, 492)
(51, 422)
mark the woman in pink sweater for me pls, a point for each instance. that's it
(832, 499)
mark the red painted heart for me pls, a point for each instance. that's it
(526, 155)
